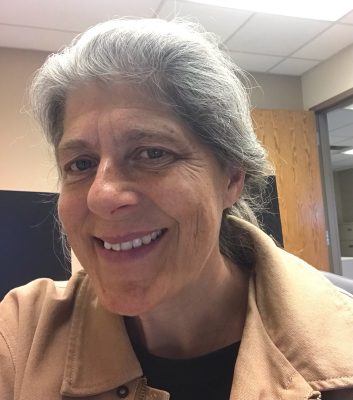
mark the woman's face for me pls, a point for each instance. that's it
(141, 198)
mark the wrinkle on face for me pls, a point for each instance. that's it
(183, 194)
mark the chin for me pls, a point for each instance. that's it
(130, 305)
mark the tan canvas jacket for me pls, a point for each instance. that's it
(56, 342)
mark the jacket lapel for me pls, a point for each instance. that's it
(99, 356)
(298, 332)
(262, 371)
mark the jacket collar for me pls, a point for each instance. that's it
(298, 331)
(262, 371)
(100, 356)
(296, 340)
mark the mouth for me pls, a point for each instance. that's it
(135, 243)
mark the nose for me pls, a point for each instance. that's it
(111, 191)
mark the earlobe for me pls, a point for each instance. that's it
(234, 188)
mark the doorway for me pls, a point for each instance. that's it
(336, 143)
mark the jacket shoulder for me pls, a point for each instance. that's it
(35, 296)
(35, 319)
(39, 306)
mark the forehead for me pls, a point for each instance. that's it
(95, 96)
(122, 112)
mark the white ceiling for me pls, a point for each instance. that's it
(258, 42)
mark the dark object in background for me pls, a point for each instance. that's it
(270, 217)
(30, 244)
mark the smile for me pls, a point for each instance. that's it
(135, 243)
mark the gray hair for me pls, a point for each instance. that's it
(183, 66)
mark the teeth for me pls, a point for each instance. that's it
(138, 242)
(146, 239)
(115, 247)
(107, 245)
(126, 245)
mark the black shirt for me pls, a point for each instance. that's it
(208, 377)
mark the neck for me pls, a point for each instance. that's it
(204, 317)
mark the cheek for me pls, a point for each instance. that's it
(197, 209)
(194, 202)
(71, 210)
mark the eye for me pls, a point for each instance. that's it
(153, 153)
(81, 165)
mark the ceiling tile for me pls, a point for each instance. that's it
(340, 157)
(344, 132)
(257, 41)
(348, 19)
(222, 21)
(327, 43)
(336, 141)
(274, 34)
(347, 142)
(71, 15)
(293, 66)
(34, 39)
(339, 118)
(342, 164)
(254, 62)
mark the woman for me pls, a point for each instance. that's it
(181, 295)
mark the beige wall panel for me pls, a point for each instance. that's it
(25, 159)
(276, 91)
(290, 139)
(329, 79)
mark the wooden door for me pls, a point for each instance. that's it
(290, 139)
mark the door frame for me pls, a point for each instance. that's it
(332, 232)
(327, 178)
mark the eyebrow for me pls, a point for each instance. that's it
(71, 145)
(135, 135)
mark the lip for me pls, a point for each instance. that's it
(120, 258)
(127, 237)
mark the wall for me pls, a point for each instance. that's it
(276, 92)
(344, 181)
(25, 162)
(329, 79)
(338, 197)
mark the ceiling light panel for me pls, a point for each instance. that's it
(213, 19)
(326, 11)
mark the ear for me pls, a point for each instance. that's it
(235, 186)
